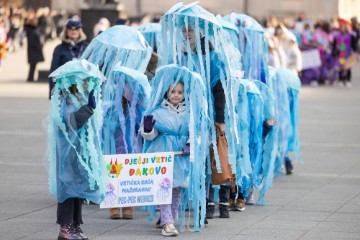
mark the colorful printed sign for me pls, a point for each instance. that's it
(138, 179)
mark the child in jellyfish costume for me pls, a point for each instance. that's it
(124, 46)
(126, 94)
(176, 120)
(74, 151)
(125, 97)
(248, 37)
(288, 119)
(192, 37)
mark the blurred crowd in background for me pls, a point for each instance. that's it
(315, 38)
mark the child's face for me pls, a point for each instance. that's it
(85, 84)
(190, 35)
(176, 94)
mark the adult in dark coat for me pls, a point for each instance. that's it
(34, 45)
(72, 46)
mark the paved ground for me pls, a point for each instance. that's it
(320, 201)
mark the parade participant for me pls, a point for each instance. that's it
(173, 106)
(174, 120)
(119, 46)
(125, 97)
(74, 151)
(251, 43)
(72, 46)
(344, 46)
(293, 53)
(196, 42)
(288, 112)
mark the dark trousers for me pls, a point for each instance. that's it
(345, 75)
(31, 72)
(224, 194)
(69, 211)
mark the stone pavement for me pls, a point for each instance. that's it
(320, 201)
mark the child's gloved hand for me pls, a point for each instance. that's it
(91, 100)
(186, 150)
(149, 123)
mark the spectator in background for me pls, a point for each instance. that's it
(72, 46)
(356, 28)
(46, 24)
(101, 26)
(2, 39)
(34, 46)
(14, 32)
(122, 21)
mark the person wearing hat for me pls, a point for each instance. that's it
(72, 46)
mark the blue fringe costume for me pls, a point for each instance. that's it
(74, 154)
(175, 130)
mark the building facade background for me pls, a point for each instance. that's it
(325, 9)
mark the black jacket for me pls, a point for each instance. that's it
(34, 47)
(65, 52)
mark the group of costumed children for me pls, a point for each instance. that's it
(104, 104)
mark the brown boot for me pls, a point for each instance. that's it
(127, 213)
(114, 213)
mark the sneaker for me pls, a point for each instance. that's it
(158, 223)
(250, 200)
(240, 205)
(169, 230)
(224, 211)
(210, 210)
(231, 203)
(79, 232)
(67, 232)
(289, 167)
(348, 84)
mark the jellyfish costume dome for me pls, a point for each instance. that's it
(119, 44)
(126, 94)
(178, 128)
(74, 151)
(252, 45)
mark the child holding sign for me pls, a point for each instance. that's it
(170, 134)
(74, 146)
(165, 128)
